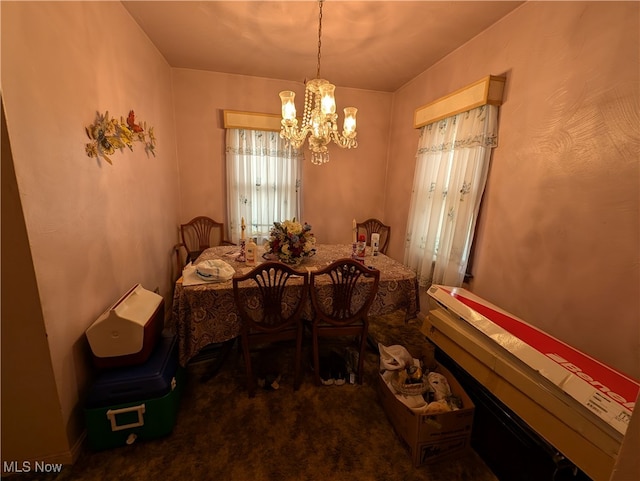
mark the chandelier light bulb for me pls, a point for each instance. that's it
(288, 104)
(349, 126)
(328, 100)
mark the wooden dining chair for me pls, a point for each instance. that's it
(270, 299)
(370, 226)
(198, 234)
(341, 296)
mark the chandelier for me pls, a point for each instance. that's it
(319, 119)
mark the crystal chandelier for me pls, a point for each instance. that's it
(319, 119)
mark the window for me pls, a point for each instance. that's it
(451, 171)
(263, 181)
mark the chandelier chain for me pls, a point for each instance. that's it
(319, 37)
(319, 117)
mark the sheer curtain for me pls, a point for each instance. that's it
(263, 181)
(451, 171)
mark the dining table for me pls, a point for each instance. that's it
(204, 312)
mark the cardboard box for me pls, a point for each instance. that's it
(581, 435)
(606, 392)
(430, 437)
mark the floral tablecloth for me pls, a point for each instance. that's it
(205, 312)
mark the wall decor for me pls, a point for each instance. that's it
(108, 134)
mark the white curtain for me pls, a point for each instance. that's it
(263, 181)
(451, 171)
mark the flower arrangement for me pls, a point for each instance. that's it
(291, 241)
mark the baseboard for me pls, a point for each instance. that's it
(65, 457)
(51, 463)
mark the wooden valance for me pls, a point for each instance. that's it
(485, 91)
(234, 119)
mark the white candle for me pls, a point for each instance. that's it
(355, 229)
(242, 227)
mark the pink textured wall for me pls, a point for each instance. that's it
(30, 398)
(351, 185)
(558, 242)
(94, 229)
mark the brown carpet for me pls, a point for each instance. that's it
(317, 433)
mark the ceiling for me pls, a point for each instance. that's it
(373, 45)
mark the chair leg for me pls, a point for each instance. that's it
(363, 346)
(371, 342)
(251, 386)
(297, 376)
(316, 357)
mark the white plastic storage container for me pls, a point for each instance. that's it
(126, 333)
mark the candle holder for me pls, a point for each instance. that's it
(242, 257)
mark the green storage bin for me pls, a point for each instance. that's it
(125, 405)
(123, 424)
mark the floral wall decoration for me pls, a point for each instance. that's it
(108, 134)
